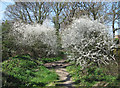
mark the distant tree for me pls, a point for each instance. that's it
(62, 12)
(94, 9)
(28, 11)
(113, 15)
(73, 10)
(58, 18)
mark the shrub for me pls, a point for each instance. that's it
(33, 39)
(8, 45)
(87, 42)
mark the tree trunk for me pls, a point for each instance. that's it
(113, 28)
(118, 60)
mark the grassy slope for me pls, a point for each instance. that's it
(22, 70)
(91, 76)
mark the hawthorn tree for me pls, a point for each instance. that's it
(34, 39)
(86, 42)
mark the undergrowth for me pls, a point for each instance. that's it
(23, 71)
(90, 76)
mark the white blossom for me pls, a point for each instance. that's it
(30, 34)
(88, 41)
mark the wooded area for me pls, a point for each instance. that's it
(62, 13)
(61, 44)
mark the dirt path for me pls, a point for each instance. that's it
(60, 68)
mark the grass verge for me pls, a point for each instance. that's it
(92, 76)
(19, 71)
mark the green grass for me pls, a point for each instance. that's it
(75, 72)
(91, 76)
(47, 60)
(27, 72)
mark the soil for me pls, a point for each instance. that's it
(65, 79)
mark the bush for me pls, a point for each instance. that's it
(33, 39)
(86, 42)
(7, 41)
